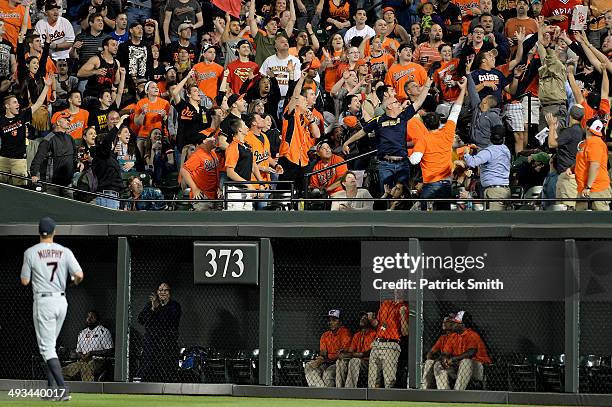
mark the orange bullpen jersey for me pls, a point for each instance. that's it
(398, 75)
(465, 341)
(296, 139)
(332, 342)
(153, 116)
(207, 78)
(203, 166)
(415, 130)
(442, 77)
(593, 149)
(324, 179)
(437, 151)
(12, 17)
(389, 320)
(362, 341)
(261, 152)
(442, 342)
(78, 122)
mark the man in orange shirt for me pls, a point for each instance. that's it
(434, 153)
(463, 357)
(358, 354)
(150, 113)
(403, 71)
(328, 181)
(391, 325)
(298, 131)
(13, 14)
(436, 351)
(591, 168)
(321, 372)
(208, 73)
(78, 117)
(201, 173)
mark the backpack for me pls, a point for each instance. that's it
(86, 181)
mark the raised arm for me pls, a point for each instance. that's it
(574, 85)
(296, 94)
(292, 19)
(424, 92)
(252, 19)
(43, 95)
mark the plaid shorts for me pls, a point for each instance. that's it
(514, 113)
(535, 109)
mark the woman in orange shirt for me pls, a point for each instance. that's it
(333, 54)
(150, 113)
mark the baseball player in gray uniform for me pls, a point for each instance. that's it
(47, 265)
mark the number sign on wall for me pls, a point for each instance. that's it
(226, 263)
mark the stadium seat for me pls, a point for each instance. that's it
(214, 369)
(553, 374)
(241, 368)
(289, 366)
(524, 376)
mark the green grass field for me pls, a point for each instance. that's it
(113, 400)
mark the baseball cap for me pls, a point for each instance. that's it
(315, 63)
(207, 47)
(46, 226)
(597, 128)
(183, 26)
(401, 48)
(241, 43)
(32, 34)
(233, 98)
(49, 5)
(350, 121)
(60, 115)
(135, 24)
(542, 157)
(388, 9)
(458, 318)
(536, 1)
(333, 313)
(272, 18)
(576, 112)
(170, 67)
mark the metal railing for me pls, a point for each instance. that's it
(296, 202)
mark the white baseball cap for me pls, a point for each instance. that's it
(597, 128)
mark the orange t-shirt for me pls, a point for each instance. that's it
(362, 341)
(442, 342)
(436, 147)
(261, 153)
(593, 149)
(296, 139)
(447, 72)
(513, 25)
(415, 130)
(589, 112)
(78, 122)
(398, 75)
(153, 118)
(207, 78)
(466, 12)
(465, 341)
(12, 17)
(331, 72)
(389, 320)
(389, 45)
(203, 166)
(332, 342)
(324, 179)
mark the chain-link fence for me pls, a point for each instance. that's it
(95, 357)
(183, 332)
(595, 364)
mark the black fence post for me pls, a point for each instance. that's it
(415, 322)
(572, 317)
(122, 327)
(266, 312)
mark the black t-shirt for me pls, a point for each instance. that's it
(98, 119)
(13, 134)
(110, 13)
(190, 123)
(225, 126)
(172, 51)
(451, 16)
(567, 141)
(6, 50)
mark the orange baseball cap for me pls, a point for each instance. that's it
(60, 115)
(388, 9)
(315, 63)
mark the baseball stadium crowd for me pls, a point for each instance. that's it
(466, 99)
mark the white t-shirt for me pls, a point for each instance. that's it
(61, 32)
(279, 67)
(98, 338)
(366, 31)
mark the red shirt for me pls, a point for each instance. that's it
(332, 342)
(465, 341)
(559, 7)
(239, 73)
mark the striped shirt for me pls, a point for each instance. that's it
(91, 45)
